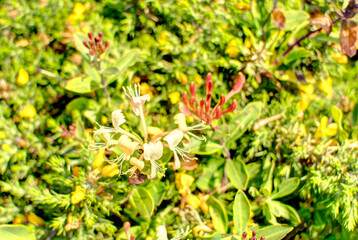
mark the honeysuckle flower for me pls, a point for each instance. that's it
(161, 233)
(117, 118)
(136, 99)
(128, 147)
(152, 152)
(173, 139)
(181, 121)
(78, 195)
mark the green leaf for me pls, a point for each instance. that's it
(79, 85)
(212, 174)
(203, 148)
(17, 232)
(143, 201)
(286, 188)
(218, 214)
(128, 59)
(354, 115)
(78, 39)
(244, 118)
(275, 232)
(111, 71)
(81, 104)
(295, 18)
(296, 54)
(338, 116)
(237, 173)
(268, 213)
(242, 209)
(285, 211)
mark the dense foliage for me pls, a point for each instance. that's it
(267, 150)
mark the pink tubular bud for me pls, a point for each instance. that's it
(222, 100)
(100, 35)
(193, 92)
(238, 86)
(183, 109)
(185, 98)
(91, 43)
(231, 108)
(85, 44)
(97, 39)
(218, 113)
(107, 44)
(208, 102)
(191, 102)
(209, 83)
(90, 36)
(103, 49)
(92, 52)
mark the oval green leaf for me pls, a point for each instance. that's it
(237, 173)
(218, 215)
(242, 209)
(143, 201)
(17, 232)
(203, 148)
(286, 188)
(275, 232)
(79, 85)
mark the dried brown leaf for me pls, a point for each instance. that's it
(279, 18)
(350, 11)
(325, 22)
(348, 37)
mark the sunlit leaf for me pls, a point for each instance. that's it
(237, 173)
(242, 209)
(79, 85)
(275, 232)
(218, 215)
(323, 21)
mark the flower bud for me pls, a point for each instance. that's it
(232, 107)
(90, 36)
(99, 159)
(78, 195)
(110, 170)
(85, 44)
(136, 162)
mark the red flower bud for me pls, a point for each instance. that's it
(107, 44)
(218, 113)
(193, 92)
(231, 108)
(185, 98)
(191, 102)
(100, 35)
(209, 83)
(238, 86)
(85, 44)
(90, 36)
(222, 100)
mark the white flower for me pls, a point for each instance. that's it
(117, 118)
(152, 152)
(161, 233)
(128, 147)
(136, 99)
(173, 139)
(180, 120)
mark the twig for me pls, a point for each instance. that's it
(104, 83)
(300, 40)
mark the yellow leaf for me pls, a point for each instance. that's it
(22, 77)
(2, 135)
(193, 201)
(340, 58)
(232, 49)
(183, 79)
(34, 219)
(99, 159)
(78, 195)
(19, 220)
(110, 170)
(242, 6)
(306, 88)
(153, 131)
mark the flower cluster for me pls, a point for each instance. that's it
(95, 45)
(141, 156)
(201, 109)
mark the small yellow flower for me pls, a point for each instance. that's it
(28, 111)
(193, 201)
(76, 171)
(326, 87)
(303, 104)
(72, 222)
(19, 219)
(340, 58)
(99, 159)
(306, 88)
(110, 170)
(36, 220)
(6, 147)
(183, 79)
(22, 77)
(203, 203)
(145, 89)
(174, 97)
(104, 120)
(2, 135)
(232, 49)
(136, 79)
(183, 182)
(78, 195)
(324, 130)
(243, 6)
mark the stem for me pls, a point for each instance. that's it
(134, 137)
(104, 83)
(144, 125)
(300, 40)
